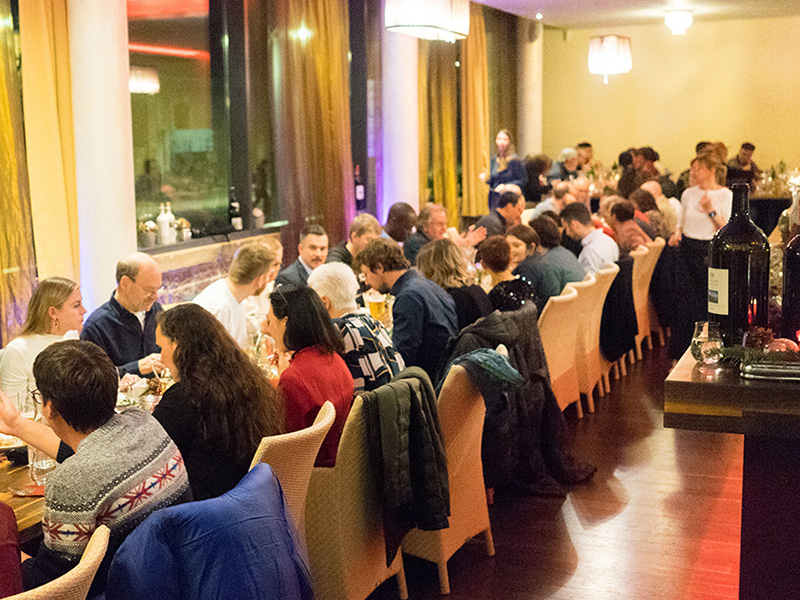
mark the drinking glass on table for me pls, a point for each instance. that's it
(39, 463)
(376, 302)
(706, 343)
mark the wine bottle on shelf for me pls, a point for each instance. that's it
(790, 314)
(361, 198)
(738, 273)
(163, 225)
(173, 232)
(234, 211)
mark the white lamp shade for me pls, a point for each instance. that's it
(428, 19)
(610, 55)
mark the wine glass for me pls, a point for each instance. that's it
(706, 343)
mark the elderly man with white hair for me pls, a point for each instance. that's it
(368, 349)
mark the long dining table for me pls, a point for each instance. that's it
(28, 509)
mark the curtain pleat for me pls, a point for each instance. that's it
(17, 259)
(311, 89)
(474, 115)
(442, 103)
(49, 139)
(424, 124)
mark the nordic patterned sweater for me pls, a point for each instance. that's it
(119, 474)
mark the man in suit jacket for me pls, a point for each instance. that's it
(312, 252)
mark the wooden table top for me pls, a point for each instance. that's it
(720, 400)
(28, 509)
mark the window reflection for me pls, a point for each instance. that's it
(174, 149)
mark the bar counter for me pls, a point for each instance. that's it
(767, 413)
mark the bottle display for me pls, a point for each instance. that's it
(790, 316)
(361, 198)
(173, 232)
(234, 212)
(738, 273)
(163, 226)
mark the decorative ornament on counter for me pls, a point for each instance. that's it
(148, 231)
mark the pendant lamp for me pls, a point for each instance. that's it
(428, 19)
(609, 55)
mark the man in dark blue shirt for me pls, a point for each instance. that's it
(125, 326)
(424, 315)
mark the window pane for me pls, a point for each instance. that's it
(173, 135)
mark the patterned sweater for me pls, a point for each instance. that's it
(119, 474)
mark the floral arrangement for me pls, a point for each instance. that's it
(761, 346)
(147, 227)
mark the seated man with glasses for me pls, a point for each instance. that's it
(125, 326)
(124, 466)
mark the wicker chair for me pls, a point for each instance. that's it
(344, 527)
(558, 326)
(589, 361)
(584, 306)
(461, 411)
(642, 275)
(292, 456)
(75, 584)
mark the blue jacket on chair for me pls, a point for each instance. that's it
(241, 545)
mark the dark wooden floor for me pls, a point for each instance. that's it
(660, 520)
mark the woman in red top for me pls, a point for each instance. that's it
(316, 372)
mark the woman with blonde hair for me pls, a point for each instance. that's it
(443, 263)
(505, 169)
(705, 208)
(54, 309)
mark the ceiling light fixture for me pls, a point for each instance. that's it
(428, 19)
(678, 21)
(610, 55)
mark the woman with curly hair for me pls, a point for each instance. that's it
(300, 324)
(443, 263)
(221, 405)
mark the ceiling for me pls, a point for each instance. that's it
(591, 14)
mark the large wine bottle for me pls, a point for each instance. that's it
(738, 273)
(790, 316)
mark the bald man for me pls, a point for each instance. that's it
(125, 326)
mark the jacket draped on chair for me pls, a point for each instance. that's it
(524, 438)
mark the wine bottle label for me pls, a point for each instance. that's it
(359, 192)
(718, 291)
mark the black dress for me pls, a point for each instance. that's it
(512, 294)
(212, 470)
(472, 303)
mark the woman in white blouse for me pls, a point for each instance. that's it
(54, 310)
(705, 208)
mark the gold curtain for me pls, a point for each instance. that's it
(47, 97)
(474, 115)
(442, 99)
(16, 245)
(309, 45)
(424, 123)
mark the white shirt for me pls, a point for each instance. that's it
(694, 222)
(16, 367)
(256, 309)
(598, 251)
(220, 302)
